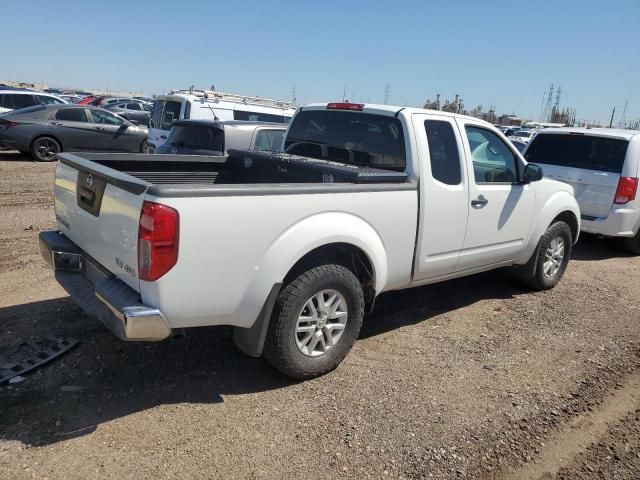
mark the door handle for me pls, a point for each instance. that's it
(479, 202)
(99, 128)
(164, 137)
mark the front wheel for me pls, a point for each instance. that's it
(551, 257)
(144, 147)
(45, 149)
(316, 321)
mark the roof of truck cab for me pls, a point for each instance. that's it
(596, 132)
(393, 110)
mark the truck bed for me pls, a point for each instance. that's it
(239, 167)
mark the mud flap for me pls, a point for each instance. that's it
(251, 340)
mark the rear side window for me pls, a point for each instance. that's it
(258, 117)
(269, 140)
(72, 115)
(197, 137)
(443, 152)
(22, 101)
(171, 112)
(362, 139)
(578, 151)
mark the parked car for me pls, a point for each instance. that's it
(293, 248)
(46, 130)
(519, 144)
(214, 106)
(16, 99)
(93, 100)
(602, 166)
(522, 135)
(134, 111)
(71, 98)
(202, 137)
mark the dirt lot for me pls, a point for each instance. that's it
(475, 378)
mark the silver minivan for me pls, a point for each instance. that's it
(602, 166)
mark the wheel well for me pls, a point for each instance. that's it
(46, 135)
(346, 255)
(570, 219)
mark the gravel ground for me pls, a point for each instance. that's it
(473, 378)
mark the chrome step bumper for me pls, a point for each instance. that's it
(100, 293)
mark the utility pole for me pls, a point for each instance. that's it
(344, 92)
(547, 108)
(293, 95)
(623, 119)
(387, 90)
(612, 114)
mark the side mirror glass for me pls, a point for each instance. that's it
(532, 173)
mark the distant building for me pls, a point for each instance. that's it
(510, 120)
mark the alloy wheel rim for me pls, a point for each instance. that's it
(46, 149)
(553, 257)
(321, 323)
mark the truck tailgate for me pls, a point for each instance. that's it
(100, 216)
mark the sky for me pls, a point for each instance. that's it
(491, 52)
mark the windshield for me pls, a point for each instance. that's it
(578, 151)
(348, 137)
(197, 137)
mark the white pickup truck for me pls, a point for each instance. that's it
(292, 248)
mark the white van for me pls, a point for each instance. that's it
(211, 105)
(13, 99)
(602, 166)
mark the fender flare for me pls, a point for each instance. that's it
(555, 205)
(296, 242)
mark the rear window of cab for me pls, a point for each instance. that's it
(362, 139)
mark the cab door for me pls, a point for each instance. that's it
(444, 196)
(500, 206)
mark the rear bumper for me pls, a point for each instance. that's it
(100, 293)
(621, 222)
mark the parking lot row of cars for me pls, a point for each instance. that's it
(601, 165)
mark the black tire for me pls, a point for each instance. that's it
(45, 149)
(632, 244)
(281, 344)
(541, 280)
(143, 146)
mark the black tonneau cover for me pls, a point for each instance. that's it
(351, 173)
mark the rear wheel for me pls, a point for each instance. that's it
(632, 244)
(144, 147)
(316, 321)
(551, 258)
(45, 149)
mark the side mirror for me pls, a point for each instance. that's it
(532, 173)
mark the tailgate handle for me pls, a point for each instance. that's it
(87, 196)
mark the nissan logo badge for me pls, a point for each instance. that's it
(89, 180)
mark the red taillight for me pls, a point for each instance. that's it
(626, 192)
(8, 123)
(345, 106)
(158, 235)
